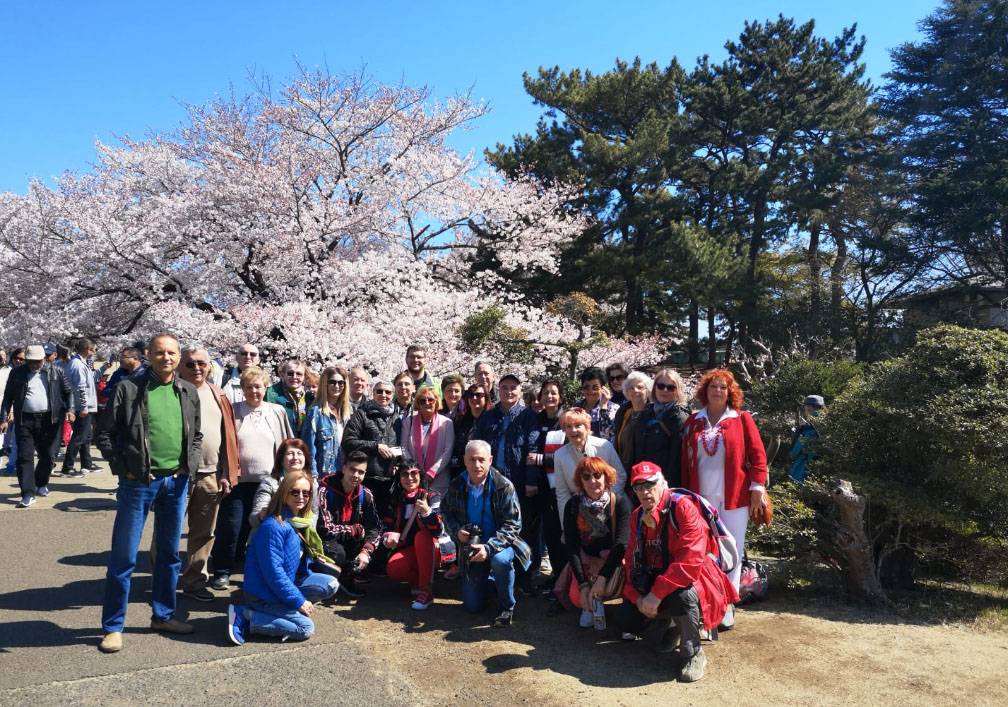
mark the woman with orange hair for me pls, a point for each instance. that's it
(596, 530)
(723, 459)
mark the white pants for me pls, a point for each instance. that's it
(737, 521)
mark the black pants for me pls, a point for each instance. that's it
(552, 531)
(681, 608)
(531, 533)
(232, 531)
(35, 432)
(381, 489)
(80, 441)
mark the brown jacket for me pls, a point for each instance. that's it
(228, 463)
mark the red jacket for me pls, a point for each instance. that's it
(741, 441)
(689, 562)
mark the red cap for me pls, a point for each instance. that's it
(645, 471)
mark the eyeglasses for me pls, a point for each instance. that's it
(588, 476)
(382, 391)
(336, 381)
(427, 401)
(643, 485)
(476, 395)
(592, 388)
(300, 493)
(666, 386)
(194, 364)
(409, 472)
(290, 374)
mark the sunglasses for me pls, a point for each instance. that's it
(476, 395)
(593, 388)
(427, 401)
(666, 386)
(643, 485)
(617, 379)
(294, 373)
(409, 472)
(194, 364)
(589, 476)
(247, 354)
(300, 493)
(336, 381)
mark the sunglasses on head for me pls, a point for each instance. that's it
(666, 386)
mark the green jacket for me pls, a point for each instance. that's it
(124, 428)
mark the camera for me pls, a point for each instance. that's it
(641, 578)
(475, 535)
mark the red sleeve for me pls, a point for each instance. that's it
(754, 450)
(688, 552)
(688, 463)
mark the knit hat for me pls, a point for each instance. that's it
(645, 471)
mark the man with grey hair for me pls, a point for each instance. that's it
(358, 386)
(483, 372)
(481, 511)
(218, 471)
(248, 355)
(81, 377)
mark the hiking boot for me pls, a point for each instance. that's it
(237, 624)
(111, 643)
(693, 670)
(174, 626)
(504, 618)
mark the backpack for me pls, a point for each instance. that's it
(728, 558)
(753, 584)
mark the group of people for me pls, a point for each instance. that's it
(417, 478)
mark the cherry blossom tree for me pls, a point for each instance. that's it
(329, 220)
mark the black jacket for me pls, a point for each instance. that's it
(365, 430)
(17, 388)
(124, 429)
(651, 441)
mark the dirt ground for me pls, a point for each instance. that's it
(783, 651)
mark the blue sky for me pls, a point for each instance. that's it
(72, 71)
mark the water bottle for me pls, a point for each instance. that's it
(599, 615)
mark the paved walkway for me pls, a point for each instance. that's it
(51, 586)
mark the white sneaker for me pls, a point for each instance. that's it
(43, 491)
(587, 619)
(26, 500)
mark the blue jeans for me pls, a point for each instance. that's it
(166, 496)
(317, 586)
(278, 620)
(499, 570)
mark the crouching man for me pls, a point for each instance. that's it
(481, 511)
(671, 579)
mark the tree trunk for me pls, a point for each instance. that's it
(693, 345)
(711, 339)
(814, 277)
(836, 283)
(857, 562)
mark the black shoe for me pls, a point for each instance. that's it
(351, 590)
(92, 467)
(199, 594)
(504, 619)
(73, 473)
(555, 608)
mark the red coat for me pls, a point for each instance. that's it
(741, 440)
(689, 562)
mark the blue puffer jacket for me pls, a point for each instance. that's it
(323, 435)
(272, 562)
(520, 438)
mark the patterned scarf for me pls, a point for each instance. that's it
(593, 519)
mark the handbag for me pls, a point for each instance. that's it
(614, 585)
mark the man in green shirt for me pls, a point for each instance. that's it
(150, 435)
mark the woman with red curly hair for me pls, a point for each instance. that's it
(596, 530)
(723, 459)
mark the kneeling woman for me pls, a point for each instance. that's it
(274, 569)
(414, 524)
(596, 528)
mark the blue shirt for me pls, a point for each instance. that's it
(478, 510)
